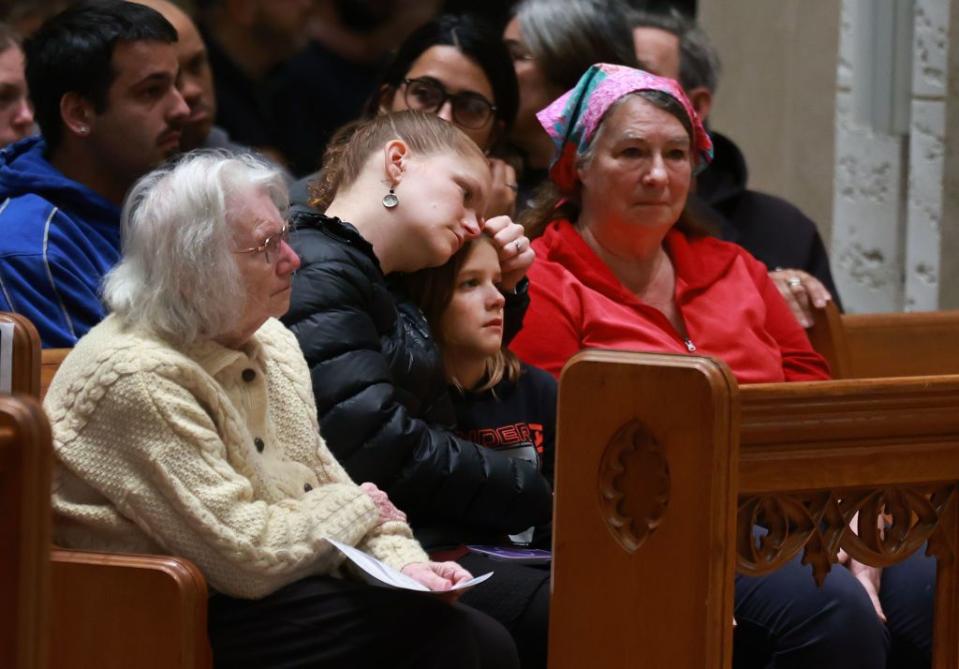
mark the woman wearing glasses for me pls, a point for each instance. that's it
(456, 67)
(185, 425)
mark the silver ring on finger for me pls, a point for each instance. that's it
(793, 282)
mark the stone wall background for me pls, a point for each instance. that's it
(886, 204)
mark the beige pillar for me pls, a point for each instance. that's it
(777, 94)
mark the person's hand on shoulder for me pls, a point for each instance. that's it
(802, 291)
(513, 247)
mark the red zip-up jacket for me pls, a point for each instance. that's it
(731, 308)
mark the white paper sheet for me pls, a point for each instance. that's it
(380, 573)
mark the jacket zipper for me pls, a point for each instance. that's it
(690, 346)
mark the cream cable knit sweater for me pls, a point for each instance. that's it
(210, 453)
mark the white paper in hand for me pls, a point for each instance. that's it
(380, 573)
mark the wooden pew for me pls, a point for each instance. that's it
(112, 610)
(664, 466)
(50, 359)
(25, 463)
(860, 346)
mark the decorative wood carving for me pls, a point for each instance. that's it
(633, 485)
(817, 523)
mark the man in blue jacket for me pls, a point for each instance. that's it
(102, 76)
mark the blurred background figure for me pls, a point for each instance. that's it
(456, 67)
(25, 16)
(552, 44)
(250, 44)
(196, 86)
(196, 81)
(16, 112)
(772, 229)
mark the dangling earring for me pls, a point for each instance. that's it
(390, 200)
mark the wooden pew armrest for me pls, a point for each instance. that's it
(124, 610)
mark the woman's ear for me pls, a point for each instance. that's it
(396, 155)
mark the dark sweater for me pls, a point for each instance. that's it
(512, 415)
(773, 230)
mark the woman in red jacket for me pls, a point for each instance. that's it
(620, 264)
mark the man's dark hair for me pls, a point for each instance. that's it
(698, 61)
(73, 52)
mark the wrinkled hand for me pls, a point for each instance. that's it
(802, 292)
(502, 198)
(438, 576)
(513, 247)
(386, 508)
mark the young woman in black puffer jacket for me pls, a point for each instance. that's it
(402, 192)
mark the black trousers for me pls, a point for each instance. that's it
(786, 622)
(325, 622)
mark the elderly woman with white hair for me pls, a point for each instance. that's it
(185, 424)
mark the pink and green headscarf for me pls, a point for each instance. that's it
(571, 120)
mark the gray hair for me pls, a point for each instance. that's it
(699, 63)
(179, 277)
(566, 37)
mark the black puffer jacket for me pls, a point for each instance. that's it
(382, 401)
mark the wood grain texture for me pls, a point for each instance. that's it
(668, 423)
(25, 464)
(687, 446)
(860, 346)
(113, 610)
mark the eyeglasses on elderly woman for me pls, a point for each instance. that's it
(470, 110)
(271, 245)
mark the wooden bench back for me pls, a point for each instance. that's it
(803, 457)
(644, 512)
(860, 346)
(50, 359)
(25, 464)
(109, 610)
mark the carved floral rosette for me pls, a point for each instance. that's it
(890, 523)
(633, 485)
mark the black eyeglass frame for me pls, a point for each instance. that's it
(446, 95)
